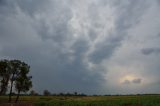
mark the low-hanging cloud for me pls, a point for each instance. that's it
(133, 81)
(137, 81)
(148, 51)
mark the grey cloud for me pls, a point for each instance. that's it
(137, 81)
(134, 81)
(31, 7)
(45, 51)
(126, 82)
(73, 76)
(148, 51)
(2, 2)
(158, 1)
(129, 14)
(54, 37)
(104, 50)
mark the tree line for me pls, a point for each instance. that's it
(48, 93)
(14, 75)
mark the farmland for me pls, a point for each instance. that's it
(143, 100)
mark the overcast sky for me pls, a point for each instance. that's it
(88, 46)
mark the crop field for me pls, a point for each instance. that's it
(146, 100)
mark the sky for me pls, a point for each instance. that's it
(87, 46)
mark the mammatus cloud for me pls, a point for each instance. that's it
(84, 46)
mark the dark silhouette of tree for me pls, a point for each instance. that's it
(61, 94)
(75, 93)
(4, 76)
(23, 82)
(15, 70)
(46, 93)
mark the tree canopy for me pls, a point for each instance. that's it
(16, 72)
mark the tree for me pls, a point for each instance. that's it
(23, 82)
(15, 70)
(4, 76)
(46, 93)
(33, 93)
(75, 93)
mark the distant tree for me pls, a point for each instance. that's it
(82, 94)
(4, 76)
(33, 93)
(75, 93)
(46, 93)
(61, 94)
(23, 82)
(68, 94)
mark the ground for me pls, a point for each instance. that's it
(141, 100)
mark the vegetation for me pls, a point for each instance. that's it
(5, 73)
(46, 93)
(100, 101)
(33, 93)
(15, 72)
(138, 100)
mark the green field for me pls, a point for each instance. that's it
(146, 100)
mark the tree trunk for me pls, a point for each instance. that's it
(10, 94)
(17, 96)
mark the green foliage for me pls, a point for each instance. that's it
(23, 82)
(102, 101)
(4, 75)
(16, 72)
(46, 93)
(144, 100)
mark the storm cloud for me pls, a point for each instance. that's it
(148, 51)
(133, 81)
(86, 46)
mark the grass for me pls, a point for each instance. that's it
(146, 100)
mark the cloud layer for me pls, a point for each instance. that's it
(84, 46)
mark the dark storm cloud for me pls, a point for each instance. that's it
(105, 50)
(41, 43)
(128, 15)
(126, 82)
(66, 42)
(148, 51)
(2, 2)
(133, 81)
(137, 81)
